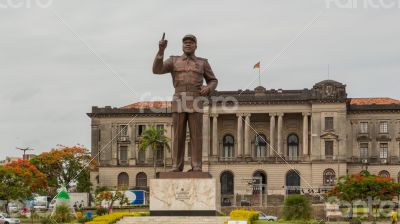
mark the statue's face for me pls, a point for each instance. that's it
(189, 46)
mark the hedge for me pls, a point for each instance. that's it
(114, 217)
(243, 214)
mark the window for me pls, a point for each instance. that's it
(228, 143)
(226, 183)
(293, 147)
(263, 176)
(384, 173)
(160, 126)
(123, 130)
(328, 123)
(123, 180)
(364, 127)
(140, 129)
(383, 153)
(383, 127)
(364, 150)
(329, 177)
(260, 146)
(123, 154)
(141, 180)
(329, 148)
(142, 156)
(160, 153)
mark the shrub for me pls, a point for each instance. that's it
(84, 219)
(46, 220)
(101, 211)
(243, 214)
(63, 214)
(297, 207)
(355, 221)
(114, 217)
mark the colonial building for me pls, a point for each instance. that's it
(292, 140)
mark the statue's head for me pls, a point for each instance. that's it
(189, 44)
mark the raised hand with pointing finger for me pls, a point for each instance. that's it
(162, 45)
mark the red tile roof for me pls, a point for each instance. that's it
(148, 104)
(372, 101)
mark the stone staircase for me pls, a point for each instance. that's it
(174, 220)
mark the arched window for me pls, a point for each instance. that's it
(293, 146)
(384, 173)
(263, 176)
(123, 180)
(141, 180)
(260, 144)
(329, 177)
(228, 144)
(293, 182)
(227, 183)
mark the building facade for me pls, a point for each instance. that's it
(290, 141)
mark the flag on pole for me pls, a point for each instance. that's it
(257, 65)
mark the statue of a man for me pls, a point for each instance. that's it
(188, 73)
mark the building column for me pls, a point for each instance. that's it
(272, 149)
(206, 137)
(247, 136)
(132, 146)
(305, 134)
(215, 135)
(280, 124)
(114, 144)
(239, 135)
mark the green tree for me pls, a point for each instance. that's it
(154, 138)
(111, 197)
(19, 180)
(363, 186)
(297, 207)
(66, 166)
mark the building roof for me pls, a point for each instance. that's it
(148, 104)
(374, 101)
(326, 91)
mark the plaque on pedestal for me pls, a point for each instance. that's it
(183, 194)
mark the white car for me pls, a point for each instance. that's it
(264, 216)
(6, 219)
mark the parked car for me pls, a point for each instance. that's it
(264, 216)
(6, 219)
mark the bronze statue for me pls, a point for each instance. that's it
(188, 73)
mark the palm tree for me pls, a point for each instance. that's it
(154, 138)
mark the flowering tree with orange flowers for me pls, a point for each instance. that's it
(110, 197)
(66, 166)
(19, 180)
(363, 186)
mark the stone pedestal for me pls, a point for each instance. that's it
(183, 194)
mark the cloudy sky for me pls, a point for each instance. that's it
(59, 59)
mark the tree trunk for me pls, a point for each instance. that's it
(6, 208)
(154, 164)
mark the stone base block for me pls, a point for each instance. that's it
(183, 197)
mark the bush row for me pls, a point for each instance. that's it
(114, 217)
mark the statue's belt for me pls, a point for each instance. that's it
(180, 89)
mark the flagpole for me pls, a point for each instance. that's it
(259, 74)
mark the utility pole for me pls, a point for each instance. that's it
(24, 149)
